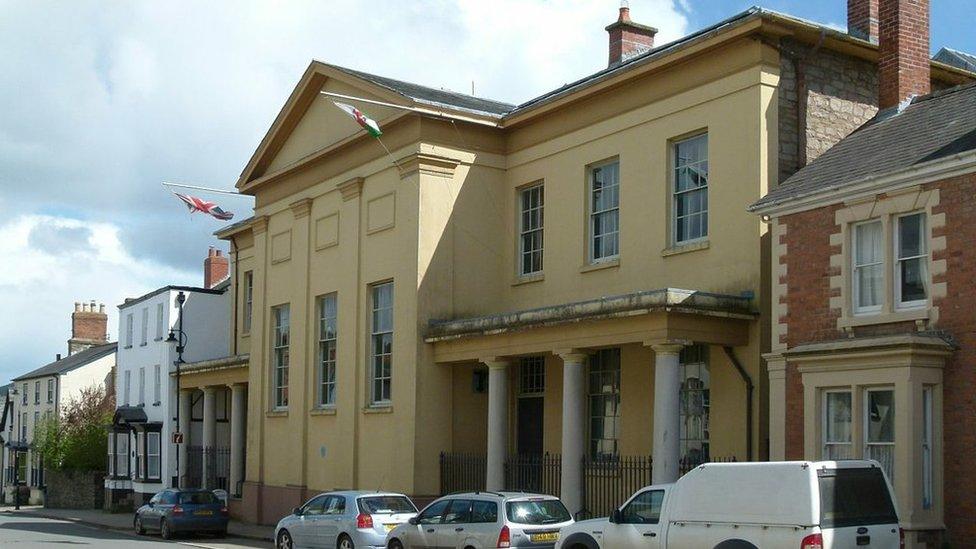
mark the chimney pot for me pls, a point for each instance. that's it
(77, 306)
(57, 357)
(904, 67)
(88, 327)
(101, 308)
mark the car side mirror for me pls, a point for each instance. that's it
(151, 504)
(297, 511)
(414, 521)
(616, 517)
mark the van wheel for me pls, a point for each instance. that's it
(395, 544)
(345, 542)
(735, 544)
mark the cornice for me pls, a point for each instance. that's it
(301, 208)
(351, 189)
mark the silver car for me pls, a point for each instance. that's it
(484, 519)
(344, 520)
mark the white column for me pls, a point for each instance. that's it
(667, 421)
(776, 366)
(497, 423)
(184, 427)
(209, 430)
(237, 418)
(574, 429)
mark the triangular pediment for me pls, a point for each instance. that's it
(309, 122)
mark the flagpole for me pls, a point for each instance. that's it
(420, 110)
(208, 189)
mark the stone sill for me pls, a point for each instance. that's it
(529, 279)
(678, 249)
(276, 413)
(871, 319)
(330, 411)
(600, 265)
(387, 409)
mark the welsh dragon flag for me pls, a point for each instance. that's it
(366, 122)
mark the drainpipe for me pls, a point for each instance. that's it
(730, 354)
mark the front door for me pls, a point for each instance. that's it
(530, 415)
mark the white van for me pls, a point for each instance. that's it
(792, 504)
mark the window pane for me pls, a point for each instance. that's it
(911, 241)
(870, 282)
(604, 398)
(604, 211)
(690, 207)
(868, 237)
(881, 416)
(838, 410)
(913, 276)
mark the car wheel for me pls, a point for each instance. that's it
(138, 526)
(345, 542)
(165, 530)
(284, 540)
(395, 544)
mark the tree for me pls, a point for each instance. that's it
(77, 440)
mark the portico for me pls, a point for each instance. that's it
(213, 421)
(583, 341)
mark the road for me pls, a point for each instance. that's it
(25, 532)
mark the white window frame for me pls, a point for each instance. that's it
(597, 366)
(327, 341)
(592, 214)
(824, 443)
(928, 411)
(142, 385)
(50, 390)
(279, 371)
(897, 260)
(524, 193)
(111, 453)
(378, 335)
(128, 383)
(160, 315)
(855, 286)
(675, 192)
(158, 384)
(248, 301)
(145, 326)
(128, 330)
(153, 457)
(37, 392)
(140, 469)
(866, 421)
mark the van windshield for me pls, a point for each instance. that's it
(854, 497)
(537, 511)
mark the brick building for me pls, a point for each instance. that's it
(873, 333)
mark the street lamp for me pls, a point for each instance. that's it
(178, 337)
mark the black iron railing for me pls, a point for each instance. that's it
(538, 473)
(609, 481)
(462, 472)
(217, 470)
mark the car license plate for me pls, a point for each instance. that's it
(203, 513)
(390, 526)
(546, 536)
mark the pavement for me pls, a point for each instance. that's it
(123, 521)
(25, 531)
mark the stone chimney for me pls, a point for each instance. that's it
(215, 268)
(628, 39)
(903, 36)
(89, 326)
(862, 19)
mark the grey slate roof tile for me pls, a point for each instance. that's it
(934, 126)
(956, 58)
(71, 362)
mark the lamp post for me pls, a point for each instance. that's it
(178, 337)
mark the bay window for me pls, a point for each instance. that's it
(836, 427)
(152, 455)
(879, 428)
(927, 411)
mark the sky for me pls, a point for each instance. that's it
(101, 102)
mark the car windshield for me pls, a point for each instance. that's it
(854, 497)
(537, 511)
(198, 498)
(386, 505)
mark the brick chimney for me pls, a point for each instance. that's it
(89, 326)
(215, 268)
(903, 36)
(628, 39)
(862, 19)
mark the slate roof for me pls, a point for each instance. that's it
(71, 362)
(932, 127)
(433, 96)
(956, 58)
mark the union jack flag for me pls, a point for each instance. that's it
(200, 205)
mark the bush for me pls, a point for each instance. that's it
(77, 439)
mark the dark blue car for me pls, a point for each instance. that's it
(182, 511)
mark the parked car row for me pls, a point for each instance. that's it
(800, 504)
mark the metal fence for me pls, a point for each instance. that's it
(606, 482)
(217, 470)
(534, 473)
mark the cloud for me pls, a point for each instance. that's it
(56, 262)
(103, 102)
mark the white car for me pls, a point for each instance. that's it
(344, 520)
(478, 520)
(799, 504)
